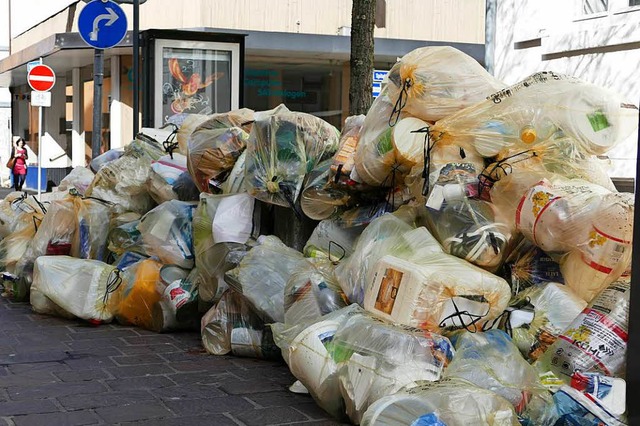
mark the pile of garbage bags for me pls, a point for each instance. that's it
(469, 261)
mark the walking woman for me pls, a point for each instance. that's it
(20, 156)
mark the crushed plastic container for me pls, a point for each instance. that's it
(234, 326)
(491, 361)
(451, 402)
(262, 276)
(538, 314)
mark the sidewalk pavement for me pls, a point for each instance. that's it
(60, 372)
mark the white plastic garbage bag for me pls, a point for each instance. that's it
(79, 286)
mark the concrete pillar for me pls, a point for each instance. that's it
(115, 109)
(77, 132)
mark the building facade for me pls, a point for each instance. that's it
(596, 40)
(295, 52)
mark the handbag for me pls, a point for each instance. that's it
(11, 163)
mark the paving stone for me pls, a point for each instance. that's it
(319, 423)
(270, 416)
(33, 357)
(52, 390)
(82, 375)
(16, 408)
(105, 399)
(206, 420)
(152, 339)
(163, 348)
(103, 343)
(75, 418)
(102, 334)
(237, 387)
(312, 410)
(193, 391)
(201, 378)
(132, 412)
(41, 368)
(139, 383)
(140, 370)
(280, 399)
(83, 361)
(196, 407)
(138, 359)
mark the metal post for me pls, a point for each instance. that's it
(633, 346)
(39, 149)
(136, 67)
(98, 77)
(39, 152)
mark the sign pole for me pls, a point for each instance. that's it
(98, 78)
(40, 150)
(136, 65)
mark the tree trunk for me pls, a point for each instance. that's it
(363, 16)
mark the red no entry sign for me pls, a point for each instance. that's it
(41, 78)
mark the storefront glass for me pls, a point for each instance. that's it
(312, 89)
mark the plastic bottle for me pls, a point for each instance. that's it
(596, 341)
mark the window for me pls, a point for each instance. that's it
(595, 6)
(634, 2)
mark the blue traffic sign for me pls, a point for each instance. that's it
(102, 24)
(379, 75)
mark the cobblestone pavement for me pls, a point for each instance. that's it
(57, 372)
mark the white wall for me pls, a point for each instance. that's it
(28, 13)
(5, 96)
(536, 35)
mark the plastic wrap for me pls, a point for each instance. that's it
(491, 361)
(537, 316)
(11, 208)
(528, 266)
(233, 326)
(375, 241)
(311, 292)
(534, 110)
(222, 224)
(385, 155)
(320, 201)
(72, 226)
(332, 240)
(80, 178)
(283, 147)
(596, 341)
(141, 289)
(434, 82)
(467, 227)
(235, 182)
(588, 224)
(449, 402)
(125, 237)
(439, 293)
(262, 275)
(190, 123)
(376, 359)
(167, 233)
(102, 159)
(307, 348)
(343, 161)
(575, 408)
(80, 287)
(185, 188)
(124, 183)
(212, 153)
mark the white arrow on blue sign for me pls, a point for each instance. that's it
(102, 24)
